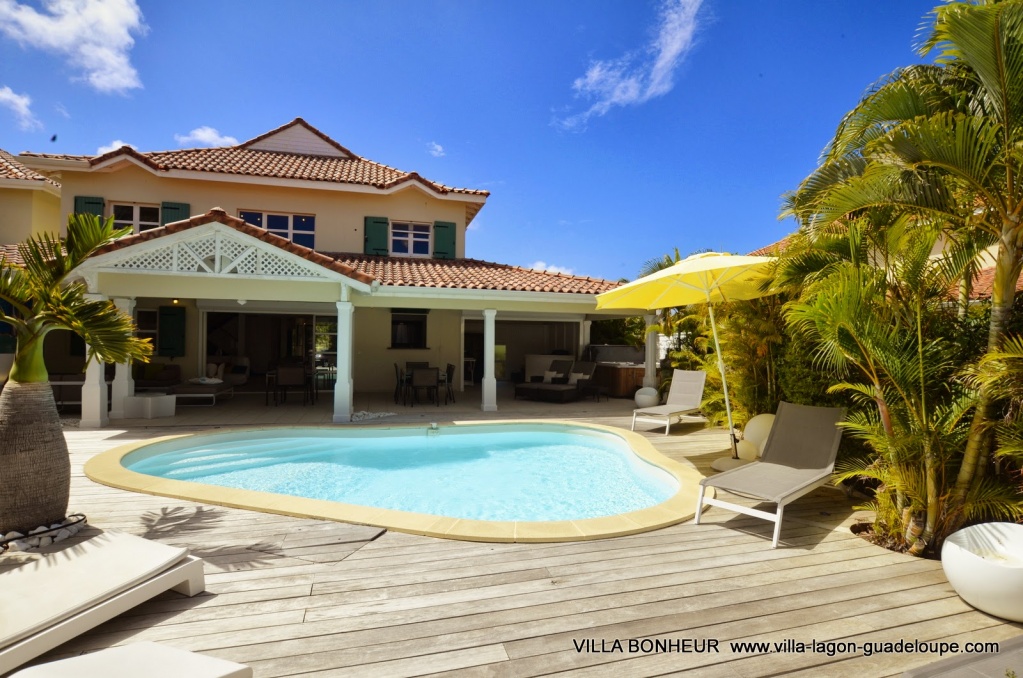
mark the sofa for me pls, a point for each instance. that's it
(565, 381)
(232, 369)
(155, 376)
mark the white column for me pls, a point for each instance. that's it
(343, 387)
(461, 353)
(94, 391)
(650, 374)
(489, 380)
(584, 337)
(124, 384)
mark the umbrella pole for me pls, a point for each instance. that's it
(724, 382)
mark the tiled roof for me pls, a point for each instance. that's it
(983, 284)
(10, 168)
(218, 215)
(467, 274)
(773, 249)
(242, 160)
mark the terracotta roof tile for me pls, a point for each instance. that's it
(10, 168)
(218, 215)
(467, 274)
(774, 248)
(242, 160)
(983, 284)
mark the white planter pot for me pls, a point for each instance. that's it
(647, 397)
(984, 564)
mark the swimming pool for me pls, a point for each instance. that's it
(519, 481)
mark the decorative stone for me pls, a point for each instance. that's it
(45, 541)
(62, 535)
(19, 545)
(33, 542)
(41, 528)
(56, 526)
(13, 535)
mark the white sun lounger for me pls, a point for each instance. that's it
(684, 398)
(159, 661)
(61, 595)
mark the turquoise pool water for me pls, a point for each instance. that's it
(480, 472)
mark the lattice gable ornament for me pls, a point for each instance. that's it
(215, 252)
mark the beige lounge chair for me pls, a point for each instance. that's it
(684, 398)
(799, 457)
(59, 596)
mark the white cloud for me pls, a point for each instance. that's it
(113, 146)
(435, 149)
(550, 268)
(21, 106)
(62, 111)
(205, 136)
(94, 35)
(635, 79)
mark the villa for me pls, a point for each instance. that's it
(290, 247)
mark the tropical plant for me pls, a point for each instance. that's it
(41, 296)
(942, 145)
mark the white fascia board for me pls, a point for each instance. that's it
(52, 164)
(520, 316)
(30, 185)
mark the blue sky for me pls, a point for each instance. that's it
(609, 132)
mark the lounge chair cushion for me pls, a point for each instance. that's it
(59, 585)
(126, 661)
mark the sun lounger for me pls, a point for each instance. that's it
(684, 398)
(159, 661)
(799, 457)
(59, 596)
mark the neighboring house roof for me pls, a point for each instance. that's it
(983, 284)
(468, 274)
(258, 157)
(11, 169)
(774, 248)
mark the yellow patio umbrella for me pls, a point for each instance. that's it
(706, 278)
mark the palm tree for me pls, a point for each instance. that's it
(42, 296)
(942, 144)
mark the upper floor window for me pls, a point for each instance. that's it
(410, 240)
(138, 217)
(298, 228)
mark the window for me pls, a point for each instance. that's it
(138, 217)
(410, 240)
(164, 327)
(298, 228)
(408, 328)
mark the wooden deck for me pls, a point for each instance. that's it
(299, 597)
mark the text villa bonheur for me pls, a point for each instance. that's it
(645, 645)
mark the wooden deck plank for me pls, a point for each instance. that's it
(295, 596)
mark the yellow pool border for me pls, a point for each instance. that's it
(106, 468)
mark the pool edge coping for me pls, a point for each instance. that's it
(106, 468)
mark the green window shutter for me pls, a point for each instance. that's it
(174, 211)
(88, 205)
(443, 240)
(171, 339)
(375, 236)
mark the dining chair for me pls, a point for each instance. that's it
(450, 378)
(292, 376)
(425, 378)
(400, 385)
